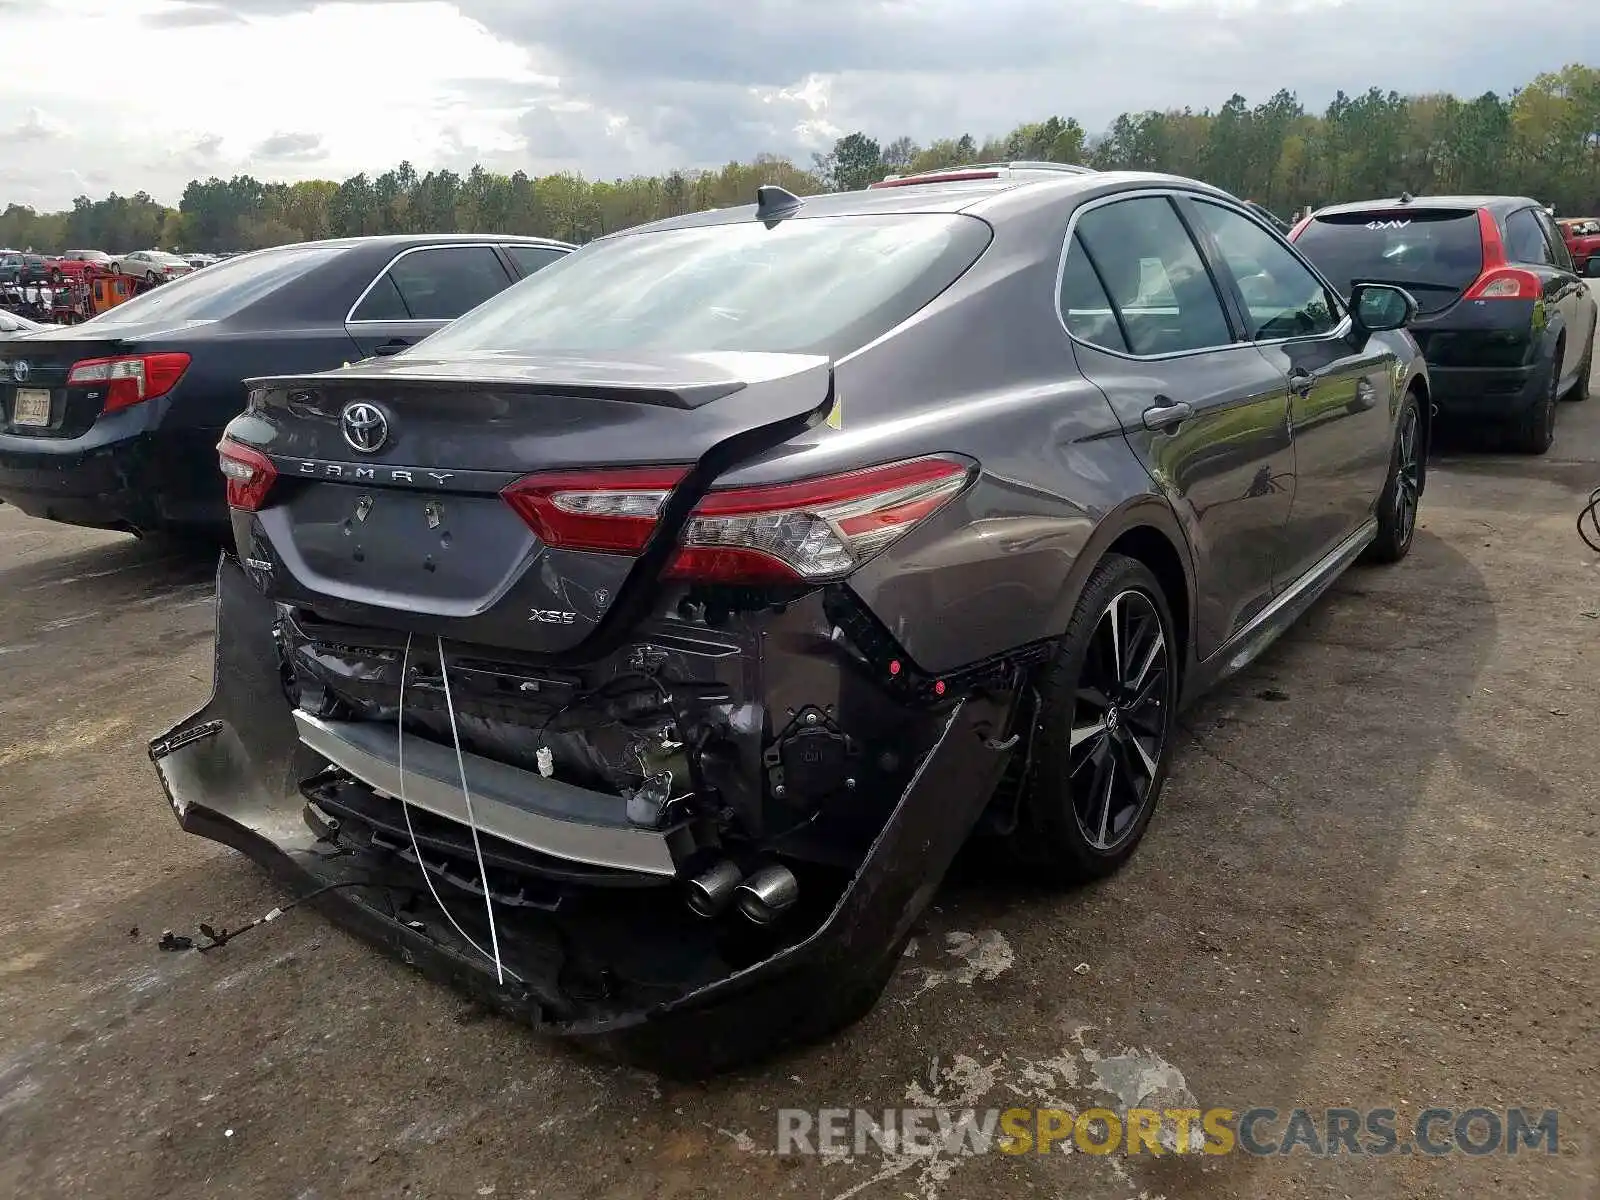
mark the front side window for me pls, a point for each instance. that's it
(436, 284)
(1154, 276)
(807, 285)
(1282, 298)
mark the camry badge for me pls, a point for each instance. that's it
(365, 427)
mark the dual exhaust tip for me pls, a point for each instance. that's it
(762, 896)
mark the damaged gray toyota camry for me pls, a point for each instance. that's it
(638, 651)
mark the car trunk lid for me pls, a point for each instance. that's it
(388, 510)
(35, 400)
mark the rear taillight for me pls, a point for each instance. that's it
(129, 380)
(1300, 228)
(612, 511)
(811, 532)
(250, 475)
(1506, 283)
(815, 531)
(1500, 281)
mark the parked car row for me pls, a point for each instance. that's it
(633, 634)
(155, 266)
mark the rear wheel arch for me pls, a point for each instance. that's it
(1145, 530)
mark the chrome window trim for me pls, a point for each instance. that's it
(1339, 331)
(350, 317)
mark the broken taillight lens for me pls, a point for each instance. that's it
(130, 379)
(814, 531)
(249, 473)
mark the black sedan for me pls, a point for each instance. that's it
(114, 423)
(1506, 323)
(650, 639)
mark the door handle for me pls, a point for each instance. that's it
(1167, 413)
(392, 347)
(1301, 383)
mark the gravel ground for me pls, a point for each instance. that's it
(1370, 885)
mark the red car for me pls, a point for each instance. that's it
(1582, 235)
(75, 264)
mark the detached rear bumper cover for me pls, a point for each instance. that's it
(232, 773)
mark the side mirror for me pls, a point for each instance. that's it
(1591, 269)
(1377, 307)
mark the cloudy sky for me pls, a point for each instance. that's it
(295, 89)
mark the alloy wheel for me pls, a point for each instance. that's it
(1121, 720)
(1407, 478)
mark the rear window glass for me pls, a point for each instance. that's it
(819, 285)
(221, 290)
(1434, 252)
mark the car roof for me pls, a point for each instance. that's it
(976, 196)
(1499, 205)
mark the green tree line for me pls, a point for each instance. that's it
(1543, 140)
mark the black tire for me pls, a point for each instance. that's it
(151, 279)
(1580, 390)
(1535, 430)
(55, 277)
(116, 268)
(1085, 807)
(1397, 507)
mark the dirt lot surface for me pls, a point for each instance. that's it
(1372, 884)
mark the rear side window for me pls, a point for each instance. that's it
(1154, 276)
(219, 291)
(1434, 253)
(818, 285)
(436, 284)
(1085, 307)
(531, 258)
(382, 302)
(1525, 240)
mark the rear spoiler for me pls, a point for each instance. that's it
(681, 381)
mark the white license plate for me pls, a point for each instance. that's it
(32, 407)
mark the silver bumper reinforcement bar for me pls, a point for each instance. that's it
(519, 806)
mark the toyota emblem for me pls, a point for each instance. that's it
(19, 371)
(365, 427)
